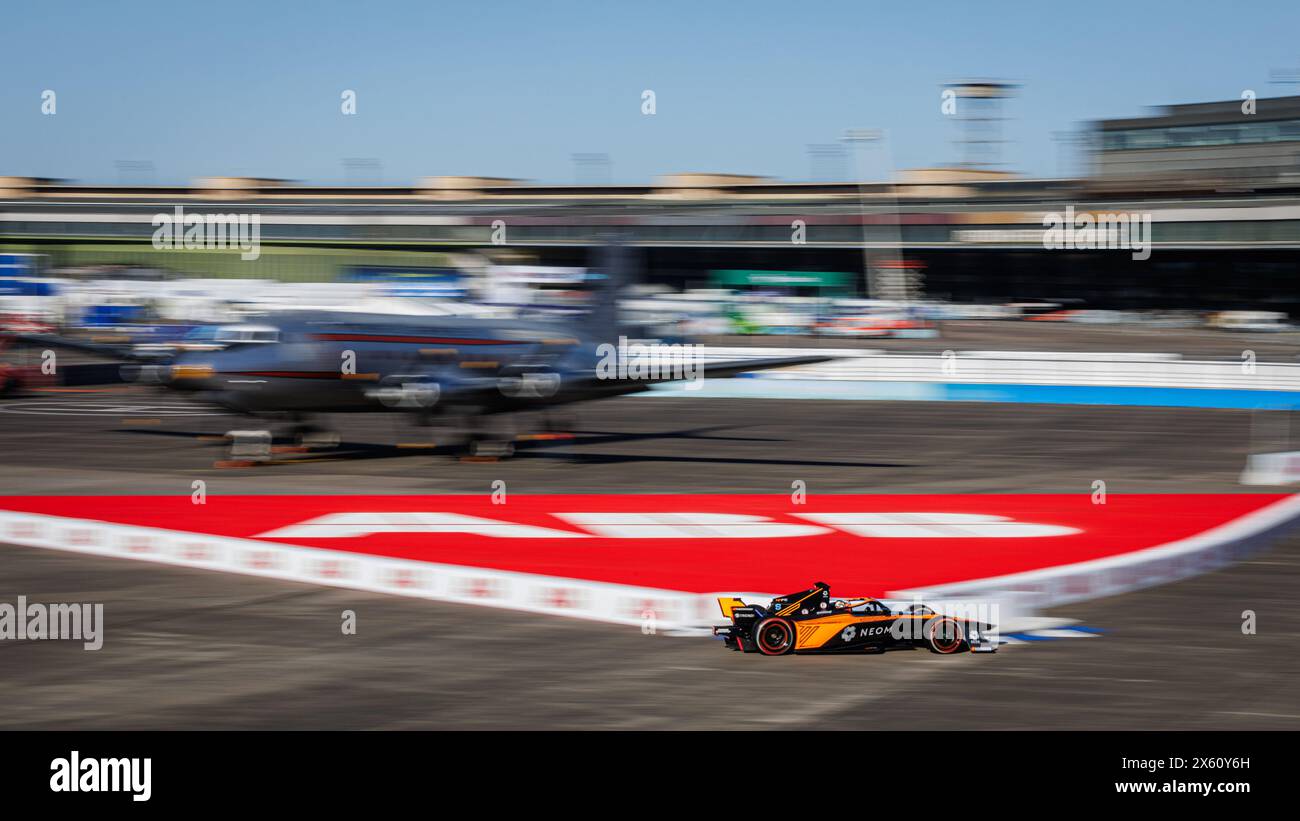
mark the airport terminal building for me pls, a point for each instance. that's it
(1244, 142)
(1212, 194)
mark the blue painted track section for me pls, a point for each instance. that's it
(766, 388)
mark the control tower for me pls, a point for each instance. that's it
(977, 107)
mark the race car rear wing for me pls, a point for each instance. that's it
(729, 604)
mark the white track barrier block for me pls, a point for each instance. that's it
(250, 444)
(1272, 468)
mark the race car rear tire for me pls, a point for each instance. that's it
(774, 637)
(945, 636)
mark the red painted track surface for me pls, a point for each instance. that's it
(705, 560)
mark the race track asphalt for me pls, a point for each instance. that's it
(194, 649)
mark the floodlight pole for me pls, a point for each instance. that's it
(859, 137)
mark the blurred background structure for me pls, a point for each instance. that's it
(1222, 187)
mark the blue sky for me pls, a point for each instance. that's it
(514, 89)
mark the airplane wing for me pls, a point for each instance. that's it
(725, 369)
(584, 386)
(64, 343)
(522, 391)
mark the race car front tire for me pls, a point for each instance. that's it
(774, 637)
(944, 636)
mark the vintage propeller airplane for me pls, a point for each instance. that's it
(456, 371)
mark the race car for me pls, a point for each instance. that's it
(810, 621)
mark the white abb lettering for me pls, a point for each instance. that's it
(676, 526)
(345, 525)
(934, 525)
(686, 526)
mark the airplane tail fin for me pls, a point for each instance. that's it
(612, 267)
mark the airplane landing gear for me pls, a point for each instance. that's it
(490, 448)
(313, 436)
(304, 434)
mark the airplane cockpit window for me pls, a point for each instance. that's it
(247, 334)
(203, 333)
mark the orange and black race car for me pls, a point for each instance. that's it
(810, 621)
